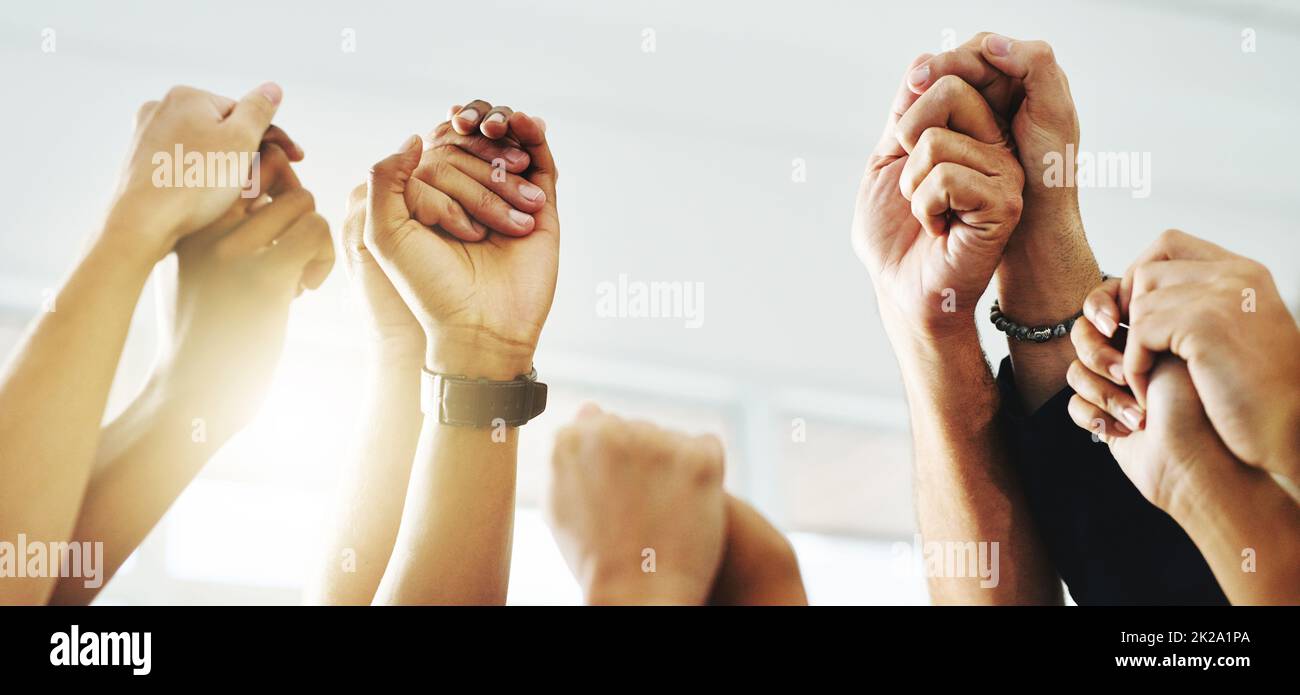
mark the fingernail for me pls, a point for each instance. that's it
(515, 156)
(272, 92)
(919, 76)
(1117, 372)
(409, 144)
(497, 117)
(470, 115)
(999, 45)
(540, 123)
(531, 192)
(1106, 325)
(520, 218)
(1132, 417)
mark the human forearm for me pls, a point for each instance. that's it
(457, 525)
(146, 458)
(372, 490)
(1046, 271)
(1246, 526)
(966, 489)
(455, 538)
(53, 394)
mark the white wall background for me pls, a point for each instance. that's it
(676, 166)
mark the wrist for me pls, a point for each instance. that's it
(140, 231)
(930, 340)
(1209, 479)
(926, 332)
(1047, 269)
(386, 352)
(477, 354)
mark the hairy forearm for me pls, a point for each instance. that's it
(1046, 271)
(1246, 526)
(372, 489)
(52, 397)
(966, 489)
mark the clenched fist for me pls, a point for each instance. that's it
(479, 277)
(638, 511)
(937, 205)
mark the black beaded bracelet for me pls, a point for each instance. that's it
(1040, 334)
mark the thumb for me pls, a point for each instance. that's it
(388, 180)
(252, 115)
(1034, 64)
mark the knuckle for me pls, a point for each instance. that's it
(359, 193)
(949, 84)
(1137, 307)
(1142, 277)
(178, 93)
(928, 145)
(945, 174)
(1074, 373)
(1077, 336)
(300, 199)
(1040, 52)
(318, 225)
(1112, 403)
(1170, 236)
(145, 110)
(487, 200)
(1256, 270)
(1015, 204)
(1091, 354)
(453, 212)
(439, 170)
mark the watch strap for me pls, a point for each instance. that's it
(469, 402)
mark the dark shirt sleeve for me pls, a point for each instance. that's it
(1108, 543)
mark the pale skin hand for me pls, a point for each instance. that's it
(374, 485)
(1232, 512)
(55, 385)
(224, 323)
(965, 487)
(622, 489)
(481, 302)
(1191, 298)
(201, 122)
(1047, 267)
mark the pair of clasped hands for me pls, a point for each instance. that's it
(453, 246)
(1202, 377)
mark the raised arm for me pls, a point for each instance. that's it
(481, 299)
(1242, 521)
(930, 262)
(1047, 267)
(372, 491)
(1211, 361)
(55, 386)
(226, 311)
